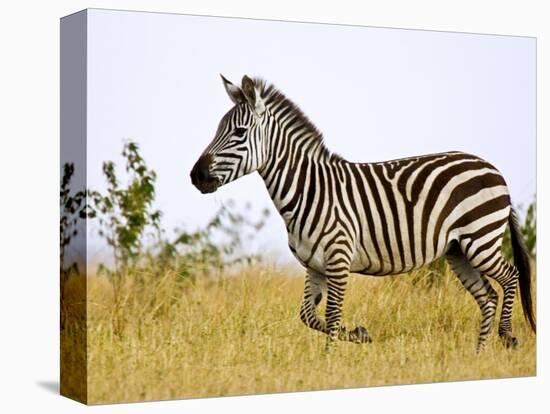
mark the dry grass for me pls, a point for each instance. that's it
(242, 335)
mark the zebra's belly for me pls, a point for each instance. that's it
(366, 261)
(371, 263)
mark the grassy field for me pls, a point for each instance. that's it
(162, 337)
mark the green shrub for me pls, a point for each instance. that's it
(71, 208)
(212, 248)
(125, 211)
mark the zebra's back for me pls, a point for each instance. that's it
(410, 209)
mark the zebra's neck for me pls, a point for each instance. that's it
(296, 157)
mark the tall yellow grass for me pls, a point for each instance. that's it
(162, 337)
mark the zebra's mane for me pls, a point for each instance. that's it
(275, 98)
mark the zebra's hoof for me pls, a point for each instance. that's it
(510, 341)
(360, 335)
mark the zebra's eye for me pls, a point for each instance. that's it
(240, 132)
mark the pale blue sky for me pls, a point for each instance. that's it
(375, 94)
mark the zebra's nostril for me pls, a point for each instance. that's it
(202, 174)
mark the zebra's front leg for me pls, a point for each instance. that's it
(337, 274)
(313, 294)
(315, 288)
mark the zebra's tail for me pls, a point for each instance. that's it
(522, 263)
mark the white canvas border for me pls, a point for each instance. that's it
(30, 146)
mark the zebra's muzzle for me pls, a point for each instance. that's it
(209, 186)
(201, 177)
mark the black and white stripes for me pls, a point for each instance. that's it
(371, 218)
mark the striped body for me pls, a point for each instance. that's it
(377, 218)
(395, 216)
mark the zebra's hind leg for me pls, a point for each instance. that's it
(479, 287)
(507, 276)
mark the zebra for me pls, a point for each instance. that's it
(376, 218)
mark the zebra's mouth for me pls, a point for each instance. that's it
(209, 185)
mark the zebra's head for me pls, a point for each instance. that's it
(238, 148)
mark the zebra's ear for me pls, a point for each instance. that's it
(235, 93)
(252, 95)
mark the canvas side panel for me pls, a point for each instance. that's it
(73, 246)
